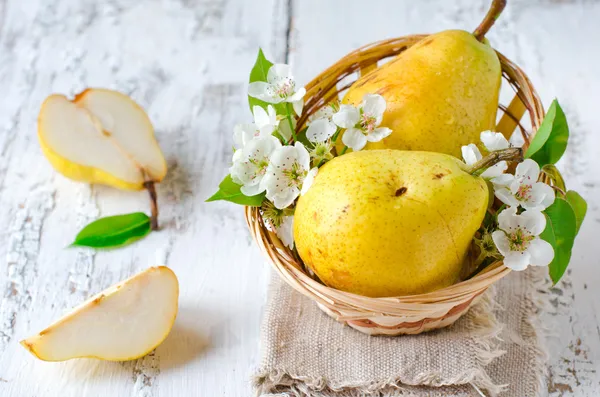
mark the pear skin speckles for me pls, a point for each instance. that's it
(388, 222)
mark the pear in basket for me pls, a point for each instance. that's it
(389, 222)
(440, 93)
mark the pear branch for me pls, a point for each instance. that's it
(153, 204)
(491, 16)
(510, 154)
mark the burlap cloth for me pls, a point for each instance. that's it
(496, 347)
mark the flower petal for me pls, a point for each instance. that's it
(517, 260)
(470, 153)
(285, 198)
(298, 105)
(237, 155)
(532, 221)
(378, 134)
(320, 130)
(302, 155)
(308, 180)
(508, 219)
(374, 105)
(529, 170)
(506, 197)
(260, 90)
(261, 118)
(544, 194)
(501, 242)
(541, 252)
(279, 71)
(252, 190)
(242, 133)
(272, 115)
(347, 116)
(297, 96)
(284, 156)
(503, 180)
(326, 112)
(495, 170)
(354, 139)
(493, 140)
(285, 231)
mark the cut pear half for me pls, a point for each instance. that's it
(101, 136)
(124, 322)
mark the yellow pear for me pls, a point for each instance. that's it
(440, 93)
(389, 222)
(101, 136)
(124, 322)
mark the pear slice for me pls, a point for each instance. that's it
(101, 136)
(124, 322)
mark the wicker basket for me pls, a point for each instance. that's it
(396, 315)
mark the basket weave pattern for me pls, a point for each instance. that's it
(395, 315)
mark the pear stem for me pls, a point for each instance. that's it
(153, 204)
(510, 154)
(489, 19)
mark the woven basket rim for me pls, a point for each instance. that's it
(431, 306)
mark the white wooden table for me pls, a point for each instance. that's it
(187, 63)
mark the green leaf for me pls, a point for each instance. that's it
(560, 232)
(550, 141)
(579, 206)
(259, 73)
(230, 191)
(555, 175)
(114, 231)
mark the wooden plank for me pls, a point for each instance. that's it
(187, 63)
(550, 41)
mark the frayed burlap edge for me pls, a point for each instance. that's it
(272, 382)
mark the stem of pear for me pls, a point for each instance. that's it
(491, 16)
(510, 154)
(153, 205)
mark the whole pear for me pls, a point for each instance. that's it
(440, 93)
(388, 222)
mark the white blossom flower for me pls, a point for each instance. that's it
(251, 162)
(523, 188)
(325, 112)
(320, 130)
(362, 123)
(265, 122)
(280, 221)
(471, 155)
(288, 174)
(494, 141)
(279, 87)
(518, 239)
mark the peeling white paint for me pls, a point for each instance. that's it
(187, 63)
(22, 260)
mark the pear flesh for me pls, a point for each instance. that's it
(440, 93)
(102, 136)
(124, 322)
(386, 223)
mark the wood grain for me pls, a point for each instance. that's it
(187, 63)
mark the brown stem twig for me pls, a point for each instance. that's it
(153, 204)
(489, 19)
(510, 154)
